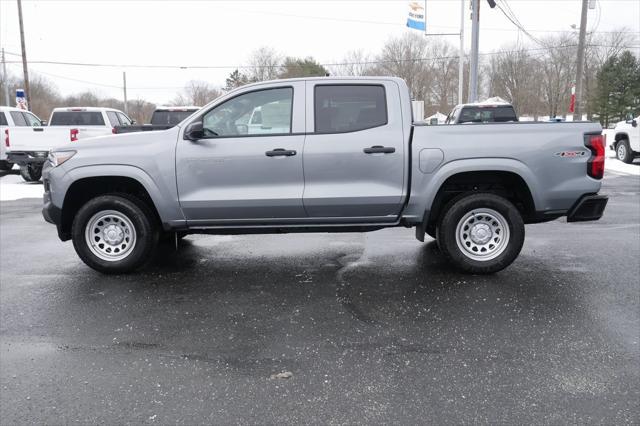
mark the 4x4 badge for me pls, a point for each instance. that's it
(571, 154)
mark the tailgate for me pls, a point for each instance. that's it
(37, 138)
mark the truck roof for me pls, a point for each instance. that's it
(178, 108)
(328, 79)
(91, 109)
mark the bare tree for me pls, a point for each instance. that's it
(264, 64)
(443, 69)
(354, 63)
(405, 57)
(197, 93)
(511, 77)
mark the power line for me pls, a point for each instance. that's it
(233, 67)
(515, 21)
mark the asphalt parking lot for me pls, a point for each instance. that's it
(374, 328)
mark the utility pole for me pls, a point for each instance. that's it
(27, 92)
(5, 80)
(124, 86)
(577, 115)
(475, 43)
(461, 64)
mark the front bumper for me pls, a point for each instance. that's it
(588, 207)
(27, 157)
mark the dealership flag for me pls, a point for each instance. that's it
(572, 103)
(416, 18)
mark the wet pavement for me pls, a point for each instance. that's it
(374, 328)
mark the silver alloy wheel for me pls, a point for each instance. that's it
(482, 234)
(621, 151)
(110, 235)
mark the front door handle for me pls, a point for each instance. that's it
(279, 152)
(379, 149)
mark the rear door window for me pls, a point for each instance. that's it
(77, 118)
(113, 118)
(18, 118)
(126, 121)
(31, 119)
(3, 119)
(349, 108)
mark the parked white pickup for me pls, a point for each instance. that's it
(29, 146)
(10, 118)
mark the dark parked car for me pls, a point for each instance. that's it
(162, 119)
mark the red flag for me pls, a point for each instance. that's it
(572, 104)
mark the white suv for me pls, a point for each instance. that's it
(626, 143)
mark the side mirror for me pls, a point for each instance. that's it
(634, 123)
(194, 131)
(433, 122)
(133, 122)
(43, 122)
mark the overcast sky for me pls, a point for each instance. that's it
(223, 33)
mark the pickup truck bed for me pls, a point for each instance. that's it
(328, 155)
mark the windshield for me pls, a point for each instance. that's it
(169, 117)
(77, 118)
(487, 114)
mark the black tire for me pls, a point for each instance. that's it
(31, 172)
(139, 216)
(623, 151)
(452, 239)
(5, 166)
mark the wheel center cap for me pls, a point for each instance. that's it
(113, 234)
(481, 233)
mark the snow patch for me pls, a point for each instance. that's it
(13, 187)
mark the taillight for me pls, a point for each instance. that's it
(74, 135)
(6, 138)
(595, 165)
(113, 130)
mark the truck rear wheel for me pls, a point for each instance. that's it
(623, 151)
(481, 233)
(114, 233)
(31, 172)
(5, 166)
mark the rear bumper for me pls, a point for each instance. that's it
(588, 207)
(27, 157)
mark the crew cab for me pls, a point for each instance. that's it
(330, 155)
(626, 143)
(11, 118)
(482, 112)
(162, 118)
(29, 146)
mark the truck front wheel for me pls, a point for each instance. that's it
(623, 151)
(481, 233)
(114, 233)
(31, 172)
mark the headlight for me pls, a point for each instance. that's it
(56, 158)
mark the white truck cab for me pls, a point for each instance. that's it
(626, 143)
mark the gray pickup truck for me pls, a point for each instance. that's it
(324, 155)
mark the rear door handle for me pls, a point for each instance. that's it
(280, 152)
(379, 149)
